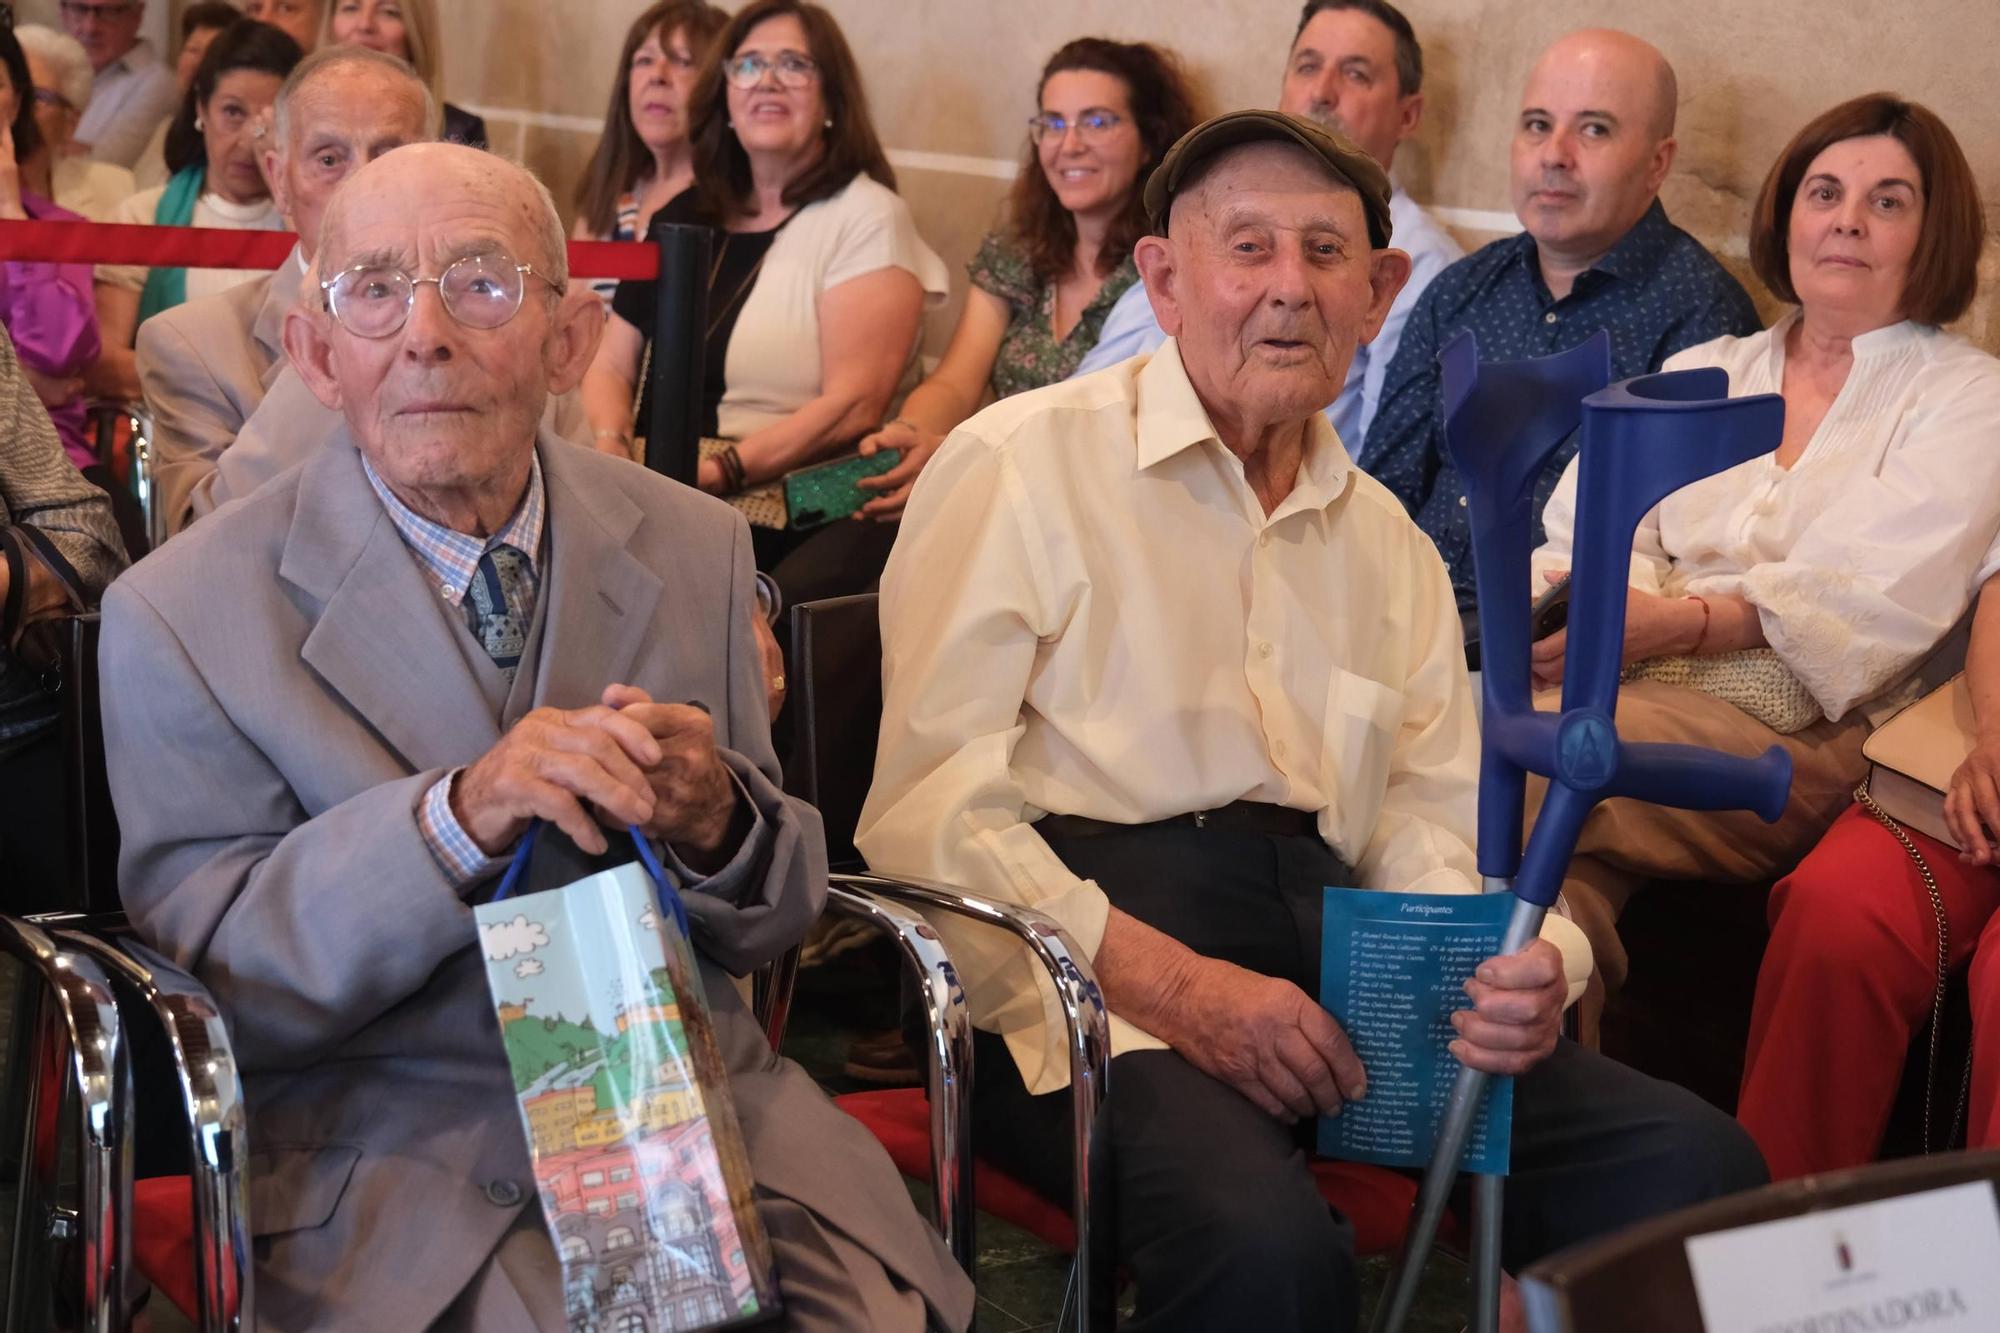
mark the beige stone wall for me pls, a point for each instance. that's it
(953, 80)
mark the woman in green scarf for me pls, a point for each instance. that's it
(212, 151)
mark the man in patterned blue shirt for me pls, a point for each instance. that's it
(1594, 140)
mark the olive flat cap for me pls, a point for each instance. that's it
(1340, 154)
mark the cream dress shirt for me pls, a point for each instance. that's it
(1863, 556)
(1088, 612)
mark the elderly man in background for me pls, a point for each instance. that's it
(299, 19)
(206, 365)
(1593, 142)
(1160, 662)
(1356, 68)
(134, 88)
(332, 710)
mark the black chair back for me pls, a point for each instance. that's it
(836, 665)
(90, 826)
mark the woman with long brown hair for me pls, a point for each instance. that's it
(1061, 256)
(644, 157)
(818, 281)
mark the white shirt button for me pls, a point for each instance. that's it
(1549, 318)
(1263, 539)
(1278, 749)
(1264, 650)
(445, 592)
(1463, 502)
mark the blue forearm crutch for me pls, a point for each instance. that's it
(1643, 439)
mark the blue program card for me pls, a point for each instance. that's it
(1392, 973)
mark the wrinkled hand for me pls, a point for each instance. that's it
(773, 662)
(916, 448)
(1267, 1039)
(694, 797)
(53, 390)
(1655, 626)
(551, 765)
(1516, 1014)
(1972, 804)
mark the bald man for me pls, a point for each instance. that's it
(1592, 143)
(344, 698)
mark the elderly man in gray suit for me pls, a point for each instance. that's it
(331, 710)
(205, 366)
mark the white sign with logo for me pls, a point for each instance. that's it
(1926, 1263)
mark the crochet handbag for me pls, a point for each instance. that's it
(1755, 680)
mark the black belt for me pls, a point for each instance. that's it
(1273, 821)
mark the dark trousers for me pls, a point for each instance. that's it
(1207, 1202)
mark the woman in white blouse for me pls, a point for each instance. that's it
(818, 279)
(1851, 551)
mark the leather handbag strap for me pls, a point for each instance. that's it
(16, 542)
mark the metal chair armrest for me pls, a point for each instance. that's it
(211, 1089)
(83, 1031)
(1085, 1019)
(948, 1060)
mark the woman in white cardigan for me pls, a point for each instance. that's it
(1851, 552)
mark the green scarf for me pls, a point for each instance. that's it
(168, 287)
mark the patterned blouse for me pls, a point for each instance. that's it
(1030, 354)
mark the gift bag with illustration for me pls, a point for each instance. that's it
(638, 1156)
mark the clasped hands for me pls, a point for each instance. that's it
(628, 760)
(1273, 1043)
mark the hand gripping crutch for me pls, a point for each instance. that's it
(1643, 439)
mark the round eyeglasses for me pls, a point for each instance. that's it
(793, 70)
(1092, 125)
(479, 291)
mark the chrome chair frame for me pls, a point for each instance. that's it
(1087, 1032)
(82, 1034)
(211, 1089)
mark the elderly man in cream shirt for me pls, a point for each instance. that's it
(1160, 662)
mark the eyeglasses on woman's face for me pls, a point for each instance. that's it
(791, 69)
(1094, 125)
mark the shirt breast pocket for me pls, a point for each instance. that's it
(1362, 719)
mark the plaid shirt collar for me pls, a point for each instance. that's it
(452, 558)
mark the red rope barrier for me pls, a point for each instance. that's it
(214, 247)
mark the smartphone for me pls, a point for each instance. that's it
(816, 496)
(1551, 610)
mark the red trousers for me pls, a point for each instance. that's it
(1846, 986)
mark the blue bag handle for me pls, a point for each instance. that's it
(669, 892)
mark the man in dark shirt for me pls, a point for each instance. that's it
(1592, 144)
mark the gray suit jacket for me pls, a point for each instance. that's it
(229, 412)
(281, 686)
(204, 366)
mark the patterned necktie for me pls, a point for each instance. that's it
(495, 605)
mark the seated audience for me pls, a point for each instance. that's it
(1872, 211)
(1850, 552)
(819, 278)
(217, 182)
(46, 308)
(1161, 605)
(408, 30)
(643, 158)
(200, 24)
(1045, 278)
(60, 172)
(1355, 67)
(1594, 139)
(300, 20)
(133, 90)
(39, 486)
(307, 818)
(206, 366)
